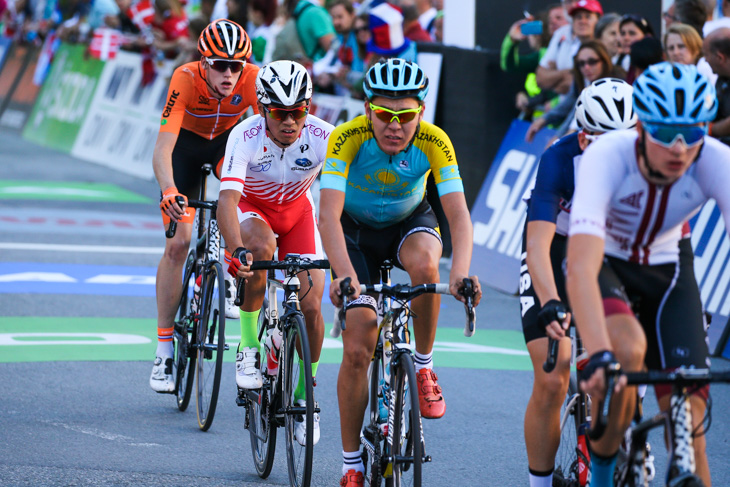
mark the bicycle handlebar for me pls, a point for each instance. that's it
(292, 263)
(553, 348)
(208, 205)
(682, 377)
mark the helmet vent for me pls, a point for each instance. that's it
(604, 107)
(384, 74)
(620, 106)
(679, 100)
(657, 91)
(663, 111)
(407, 72)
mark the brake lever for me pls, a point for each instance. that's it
(471, 316)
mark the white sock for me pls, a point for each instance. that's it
(424, 361)
(164, 349)
(351, 460)
(540, 481)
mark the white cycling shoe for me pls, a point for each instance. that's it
(300, 428)
(232, 311)
(161, 379)
(248, 369)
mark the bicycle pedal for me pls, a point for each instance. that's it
(226, 347)
(241, 401)
(427, 459)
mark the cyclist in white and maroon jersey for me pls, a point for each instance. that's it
(633, 194)
(265, 202)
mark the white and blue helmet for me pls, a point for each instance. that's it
(396, 78)
(674, 94)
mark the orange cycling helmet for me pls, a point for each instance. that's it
(224, 39)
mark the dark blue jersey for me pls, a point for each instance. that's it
(555, 183)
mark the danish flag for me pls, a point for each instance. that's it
(105, 43)
(142, 14)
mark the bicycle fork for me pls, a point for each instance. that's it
(682, 457)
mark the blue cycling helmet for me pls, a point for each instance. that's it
(674, 94)
(396, 78)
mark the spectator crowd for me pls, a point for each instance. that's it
(337, 40)
(579, 43)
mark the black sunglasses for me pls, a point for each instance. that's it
(589, 62)
(221, 65)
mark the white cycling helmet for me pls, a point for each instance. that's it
(283, 83)
(606, 105)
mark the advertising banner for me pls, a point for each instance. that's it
(499, 213)
(120, 129)
(65, 98)
(17, 91)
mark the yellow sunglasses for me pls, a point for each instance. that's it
(401, 116)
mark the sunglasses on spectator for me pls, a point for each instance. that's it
(402, 116)
(280, 114)
(587, 62)
(362, 28)
(221, 65)
(667, 135)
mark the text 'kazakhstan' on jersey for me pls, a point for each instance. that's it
(191, 107)
(266, 174)
(381, 190)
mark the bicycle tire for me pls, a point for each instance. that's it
(298, 457)
(183, 334)
(211, 342)
(407, 432)
(566, 472)
(262, 420)
(371, 431)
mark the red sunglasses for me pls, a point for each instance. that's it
(280, 114)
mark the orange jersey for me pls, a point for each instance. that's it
(191, 107)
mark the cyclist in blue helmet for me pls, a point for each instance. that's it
(627, 221)
(372, 209)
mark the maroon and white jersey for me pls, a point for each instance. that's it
(266, 174)
(640, 221)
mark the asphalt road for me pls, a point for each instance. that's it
(79, 413)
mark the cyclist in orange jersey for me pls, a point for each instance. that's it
(205, 100)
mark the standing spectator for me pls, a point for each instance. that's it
(438, 27)
(607, 32)
(170, 27)
(717, 52)
(690, 12)
(554, 72)
(426, 14)
(238, 11)
(632, 28)
(359, 65)
(644, 53)
(315, 29)
(331, 70)
(412, 28)
(261, 14)
(682, 44)
(590, 63)
(386, 27)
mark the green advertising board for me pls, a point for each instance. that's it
(65, 97)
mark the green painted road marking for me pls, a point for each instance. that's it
(46, 339)
(75, 191)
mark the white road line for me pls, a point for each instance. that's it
(107, 249)
(97, 433)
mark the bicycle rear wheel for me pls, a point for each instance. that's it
(407, 435)
(184, 336)
(262, 420)
(298, 457)
(567, 464)
(211, 342)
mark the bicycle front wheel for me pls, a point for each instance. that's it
(372, 438)
(211, 342)
(567, 463)
(261, 417)
(298, 415)
(183, 334)
(406, 440)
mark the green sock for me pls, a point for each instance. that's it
(249, 329)
(299, 391)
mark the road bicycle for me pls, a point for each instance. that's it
(392, 438)
(199, 331)
(677, 422)
(573, 460)
(274, 405)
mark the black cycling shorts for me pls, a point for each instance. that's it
(667, 302)
(190, 153)
(529, 303)
(369, 247)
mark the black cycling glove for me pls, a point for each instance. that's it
(553, 310)
(604, 359)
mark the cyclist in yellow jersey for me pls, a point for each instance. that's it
(372, 208)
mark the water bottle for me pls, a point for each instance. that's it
(271, 345)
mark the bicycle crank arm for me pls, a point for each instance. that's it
(292, 410)
(250, 394)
